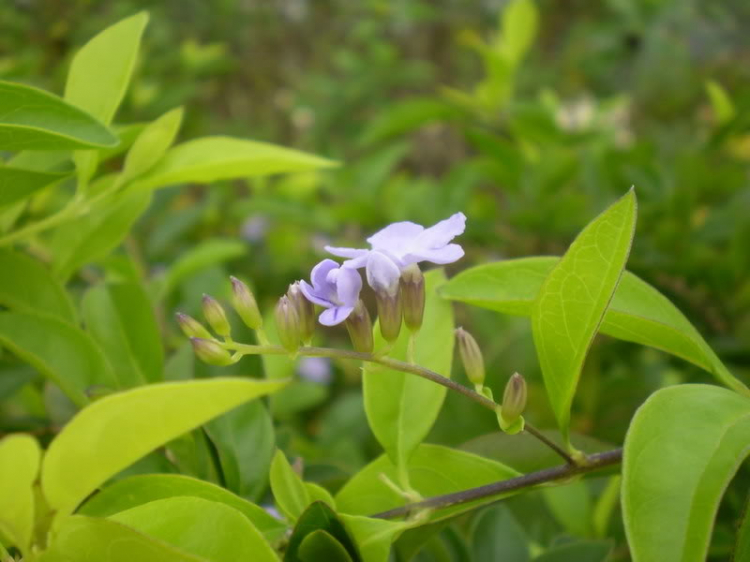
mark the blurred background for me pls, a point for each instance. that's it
(531, 125)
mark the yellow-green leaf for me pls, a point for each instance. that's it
(19, 466)
(117, 430)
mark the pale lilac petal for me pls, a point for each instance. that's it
(447, 254)
(348, 286)
(382, 273)
(335, 315)
(346, 252)
(320, 273)
(439, 235)
(313, 296)
(394, 236)
(356, 263)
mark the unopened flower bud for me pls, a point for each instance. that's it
(514, 399)
(389, 313)
(215, 316)
(244, 303)
(191, 327)
(413, 296)
(287, 324)
(209, 351)
(305, 311)
(359, 326)
(471, 357)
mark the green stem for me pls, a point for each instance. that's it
(396, 365)
(64, 214)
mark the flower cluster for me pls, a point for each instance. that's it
(391, 270)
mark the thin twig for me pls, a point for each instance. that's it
(396, 365)
(593, 462)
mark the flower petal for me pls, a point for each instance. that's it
(382, 273)
(440, 234)
(357, 262)
(394, 236)
(346, 252)
(320, 273)
(440, 256)
(348, 286)
(313, 296)
(335, 315)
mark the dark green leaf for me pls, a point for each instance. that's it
(319, 545)
(496, 535)
(319, 517)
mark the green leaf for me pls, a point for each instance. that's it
(95, 235)
(401, 408)
(151, 144)
(684, 445)
(579, 551)
(137, 490)
(210, 159)
(289, 491)
(572, 301)
(519, 27)
(496, 535)
(60, 351)
(638, 312)
(404, 116)
(319, 545)
(100, 71)
(121, 320)
(32, 119)
(742, 545)
(374, 537)
(570, 503)
(117, 430)
(32, 288)
(245, 469)
(19, 465)
(84, 539)
(366, 494)
(16, 184)
(210, 530)
(721, 103)
(319, 517)
(202, 256)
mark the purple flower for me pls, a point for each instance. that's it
(336, 288)
(402, 244)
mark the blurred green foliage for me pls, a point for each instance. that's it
(530, 127)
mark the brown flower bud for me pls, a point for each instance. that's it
(305, 311)
(359, 326)
(471, 357)
(413, 296)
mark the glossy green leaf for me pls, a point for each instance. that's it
(401, 408)
(32, 119)
(210, 159)
(572, 301)
(289, 491)
(245, 468)
(151, 145)
(366, 494)
(19, 465)
(202, 256)
(638, 312)
(121, 320)
(684, 445)
(16, 184)
(319, 517)
(137, 490)
(374, 537)
(100, 71)
(60, 351)
(496, 535)
(117, 430)
(85, 539)
(32, 288)
(95, 235)
(210, 530)
(319, 545)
